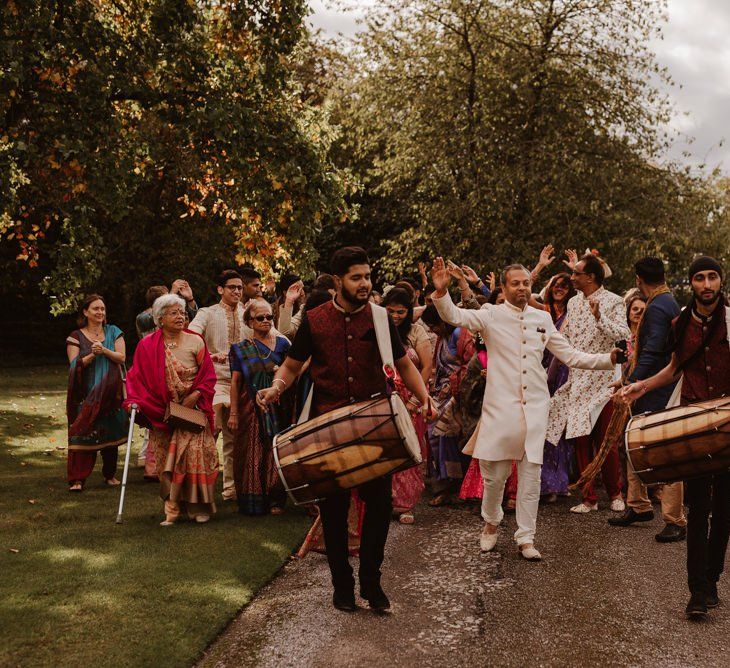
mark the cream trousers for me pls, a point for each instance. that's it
(495, 476)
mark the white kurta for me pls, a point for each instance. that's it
(211, 323)
(516, 399)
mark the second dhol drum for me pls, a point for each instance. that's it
(345, 448)
(680, 443)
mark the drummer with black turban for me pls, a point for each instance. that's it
(701, 355)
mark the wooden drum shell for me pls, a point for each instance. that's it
(681, 442)
(346, 448)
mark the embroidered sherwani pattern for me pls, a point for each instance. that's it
(575, 407)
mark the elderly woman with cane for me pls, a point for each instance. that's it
(172, 372)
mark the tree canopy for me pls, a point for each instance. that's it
(484, 129)
(146, 138)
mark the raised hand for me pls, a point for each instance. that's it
(492, 281)
(471, 275)
(440, 276)
(294, 293)
(181, 287)
(572, 260)
(455, 270)
(547, 255)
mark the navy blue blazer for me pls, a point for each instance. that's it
(653, 353)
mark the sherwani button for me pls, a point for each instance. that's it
(349, 359)
(350, 379)
(349, 337)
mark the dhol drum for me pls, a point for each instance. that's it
(680, 443)
(345, 448)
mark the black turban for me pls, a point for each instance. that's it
(704, 263)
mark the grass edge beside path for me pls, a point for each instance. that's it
(81, 589)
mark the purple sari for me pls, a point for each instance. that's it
(556, 459)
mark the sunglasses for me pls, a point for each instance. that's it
(261, 318)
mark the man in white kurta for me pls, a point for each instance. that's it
(516, 399)
(221, 325)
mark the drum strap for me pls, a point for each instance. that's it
(382, 334)
(676, 397)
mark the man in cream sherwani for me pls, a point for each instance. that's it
(516, 400)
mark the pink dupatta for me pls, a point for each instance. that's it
(147, 387)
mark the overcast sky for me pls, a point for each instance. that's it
(695, 49)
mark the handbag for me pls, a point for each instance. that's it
(182, 417)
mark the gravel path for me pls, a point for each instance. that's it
(602, 596)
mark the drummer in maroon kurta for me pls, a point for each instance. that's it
(346, 367)
(702, 356)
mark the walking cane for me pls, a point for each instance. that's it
(126, 462)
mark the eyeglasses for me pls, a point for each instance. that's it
(261, 318)
(235, 288)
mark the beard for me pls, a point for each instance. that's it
(353, 298)
(706, 299)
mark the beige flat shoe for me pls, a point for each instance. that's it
(407, 518)
(112, 482)
(529, 553)
(202, 519)
(488, 541)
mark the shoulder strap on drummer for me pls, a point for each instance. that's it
(382, 334)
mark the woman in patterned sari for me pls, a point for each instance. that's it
(96, 419)
(556, 459)
(173, 365)
(253, 365)
(454, 349)
(408, 485)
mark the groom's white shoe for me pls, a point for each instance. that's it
(488, 541)
(529, 552)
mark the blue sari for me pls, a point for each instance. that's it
(94, 410)
(257, 482)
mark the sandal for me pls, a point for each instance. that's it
(439, 500)
(407, 518)
(112, 482)
(166, 523)
(275, 510)
(76, 487)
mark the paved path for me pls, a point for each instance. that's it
(602, 596)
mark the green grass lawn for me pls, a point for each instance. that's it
(78, 589)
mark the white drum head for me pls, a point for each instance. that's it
(405, 427)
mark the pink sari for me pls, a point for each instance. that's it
(408, 485)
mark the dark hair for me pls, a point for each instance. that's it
(402, 284)
(650, 270)
(153, 292)
(512, 267)
(493, 295)
(81, 319)
(316, 298)
(592, 265)
(432, 318)
(346, 257)
(226, 275)
(247, 274)
(324, 282)
(403, 298)
(549, 301)
(637, 297)
(286, 281)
